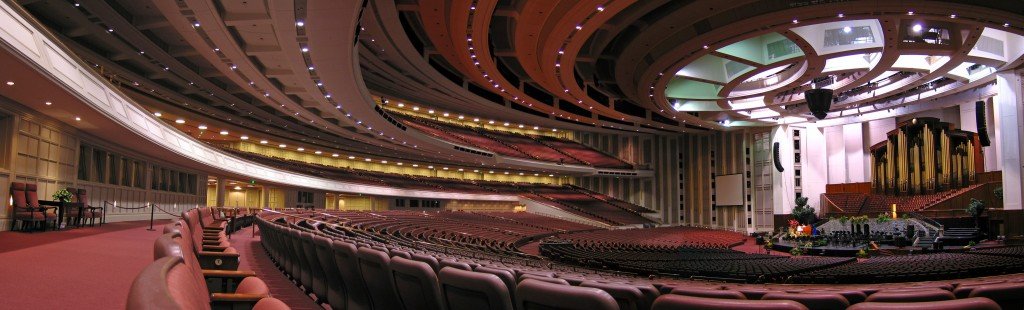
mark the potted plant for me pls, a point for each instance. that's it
(802, 212)
(975, 209)
(63, 196)
(862, 254)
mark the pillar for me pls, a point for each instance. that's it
(221, 189)
(1011, 130)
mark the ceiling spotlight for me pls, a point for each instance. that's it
(223, 132)
(401, 104)
(10, 83)
(282, 145)
(1006, 24)
(351, 157)
(305, 49)
(202, 127)
(952, 15)
(847, 29)
(916, 28)
(196, 24)
(78, 119)
(796, 21)
(841, 15)
(301, 149)
(300, 23)
(158, 114)
(334, 155)
(263, 141)
(49, 103)
(244, 137)
(179, 121)
(910, 13)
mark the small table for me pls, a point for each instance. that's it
(61, 206)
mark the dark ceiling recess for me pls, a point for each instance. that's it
(574, 109)
(597, 95)
(630, 109)
(664, 120)
(539, 94)
(414, 36)
(486, 94)
(439, 64)
(522, 108)
(609, 119)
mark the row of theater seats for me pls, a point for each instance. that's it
(359, 271)
(195, 267)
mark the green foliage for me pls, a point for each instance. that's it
(975, 208)
(62, 195)
(857, 220)
(802, 212)
(883, 217)
(844, 219)
(998, 192)
(862, 254)
(797, 251)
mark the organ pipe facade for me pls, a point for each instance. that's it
(925, 155)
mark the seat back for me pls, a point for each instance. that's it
(81, 196)
(627, 296)
(681, 302)
(976, 303)
(1007, 295)
(317, 279)
(167, 284)
(31, 195)
(708, 293)
(506, 276)
(429, 260)
(467, 290)
(454, 264)
(348, 265)
(18, 195)
(374, 265)
(335, 288)
(812, 300)
(535, 294)
(416, 284)
(932, 294)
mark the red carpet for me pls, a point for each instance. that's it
(532, 248)
(255, 258)
(84, 268)
(750, 246)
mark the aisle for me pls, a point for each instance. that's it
(254, 258)
(83, 268)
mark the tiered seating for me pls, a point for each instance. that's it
(849, 202)
(515, 145)
(661, 238)
(612, 200)
(909, 268)
(376, 270)
(587, 205)
(872, 204)
(195, 267)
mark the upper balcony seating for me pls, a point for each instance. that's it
(873, 204)
(542, 148)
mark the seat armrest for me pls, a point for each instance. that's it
(236, 298)
(214, 248)
(233, 274)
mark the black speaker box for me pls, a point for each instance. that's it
(979, 115)
(775, 156)
(819, 101)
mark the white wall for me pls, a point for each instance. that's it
(814, 173)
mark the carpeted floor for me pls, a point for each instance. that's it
(83, 268)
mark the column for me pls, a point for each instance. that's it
(1008, 102)
(221, 187)
(265, 202)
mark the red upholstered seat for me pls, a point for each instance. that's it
(375, 268)
(911, 295)
(26, 209)
(977, 303)
(535, 294)
(88, 211)
(168, 283)
(813, 301)
(467, 290)
(680, 302)
(627, 296)
(416, 284)
(708, 293)
(1008, 295)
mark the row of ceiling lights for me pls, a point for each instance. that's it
(463, 117)
(47, 103)
(224, 132)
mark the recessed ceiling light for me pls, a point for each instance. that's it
(847, 29)
(196, 24)
(158, 114)
(281, 145)
(300, 23)
(244, 137)
(49, 103)
(263, 141)
(78, 118)
(179, 121)
(10, 83)
(301, 149)
(318, 152)
(916, 28)
(334, 155)
(223, 132)
(351, 157)
(202, 127)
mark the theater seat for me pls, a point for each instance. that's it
(533, 294)
(167, 283)
(1008, 295)
(374, 266)
(680, 302)
(627, 296)
(708, 293)
(335, 287)
(467, 290)
(348, 266)
(430, 260)
(506, 276)
(911, 295)
(416, 284)
(454, 264)
(977, 303)
(813, 301)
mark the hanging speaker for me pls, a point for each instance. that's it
(979, 115)
(775, 155)
(819, 101)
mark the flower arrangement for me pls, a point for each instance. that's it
(862, 254)
(883, 217)
(62, 195)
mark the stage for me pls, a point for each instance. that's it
(883, 249)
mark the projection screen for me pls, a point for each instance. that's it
(729, 190)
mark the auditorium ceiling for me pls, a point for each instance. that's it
(308, 72)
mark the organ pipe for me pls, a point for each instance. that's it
(924, 155)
